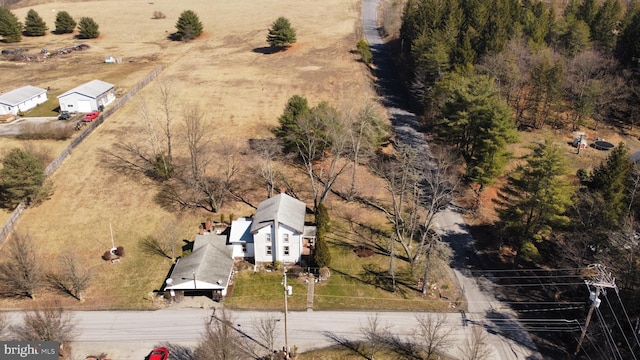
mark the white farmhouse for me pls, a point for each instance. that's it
(87, 97)
(277, 232)
(22, 99)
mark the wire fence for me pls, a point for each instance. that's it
(57, 162)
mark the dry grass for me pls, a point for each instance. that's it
(225, 72)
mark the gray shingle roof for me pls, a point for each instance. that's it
(283, 208)
(92, 89)
(211, 261)
(19, 95)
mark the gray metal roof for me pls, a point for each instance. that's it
(240, 231)
(282, 208)
(20, 95)
(92, 89)
(210, 261)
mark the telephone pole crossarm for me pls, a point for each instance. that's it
(600, 281)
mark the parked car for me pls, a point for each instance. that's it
(91, 116)
(64, 115)
(159, 353)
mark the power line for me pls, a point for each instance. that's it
(620, 327)
(608, 336)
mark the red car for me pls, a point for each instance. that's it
(91, 116)
(159, 353)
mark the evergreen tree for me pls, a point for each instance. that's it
(629, 43)
(478, 123)
(612, 180)
(21, 177)
(605, 24)
(533, 202)
(189, 26)
(64, 23)
(10, 27)
(296, 106)
(321, 254)
(34, 25)
(88, 28)
(281, 34)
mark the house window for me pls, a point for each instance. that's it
(285, 238)
(244, 247)
(267, 238)
(268, 249)
(285, 250)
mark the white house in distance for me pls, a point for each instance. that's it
(88, 97)
(277, 232)
(22, 99)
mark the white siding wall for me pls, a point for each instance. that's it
(259, 240)
(294, 245)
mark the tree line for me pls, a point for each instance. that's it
(482, 70)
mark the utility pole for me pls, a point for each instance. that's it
(286, 294)
(600, 280)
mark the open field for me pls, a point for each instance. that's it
(225, 72)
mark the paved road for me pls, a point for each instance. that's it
(509, 342)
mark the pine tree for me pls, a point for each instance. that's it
(535, 198)
(296, 106)
(64, 23)
(21, 177)
(88, 28)
(477, 122)
(10, 26)
(34, 25)
(189, 26)
(612, 180)
(605, 24)
(281, 34)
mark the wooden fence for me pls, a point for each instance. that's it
(57, 162)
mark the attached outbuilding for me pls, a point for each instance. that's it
(92, 96)
(22, 99)
(206, 270)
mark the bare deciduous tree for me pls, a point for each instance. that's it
(21, 274)
(4, 327)
(154, 156)
(266, 328)
(220, 341)
(366, 131)
(72, 276)
(476, 346)
(46, 324)
(374, 332)
(165, 239)
(433, 334)
(266, 152)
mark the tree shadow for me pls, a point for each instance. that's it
(268, 50)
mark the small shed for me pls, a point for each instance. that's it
(22, 99)
(91, 96)
(580, 142)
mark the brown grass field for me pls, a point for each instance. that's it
(225, 72)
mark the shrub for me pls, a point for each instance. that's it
(120, 251)
(51, 130)
(158, 15)
(365, 52)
